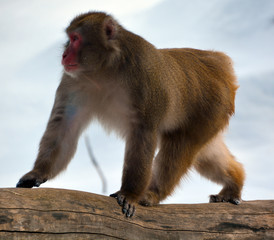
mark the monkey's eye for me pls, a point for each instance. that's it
(74, 37)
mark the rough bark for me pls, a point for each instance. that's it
(45, 213)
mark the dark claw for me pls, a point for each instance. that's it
(128, 209)
(121, 200)
(114, 195)
(213, 199)
(125, 208)
(131, 211)
(218, 198)
(144, 203)
(235, 201)
(37, 184)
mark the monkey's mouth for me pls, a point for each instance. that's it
(71, 67)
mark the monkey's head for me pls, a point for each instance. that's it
(93, 43)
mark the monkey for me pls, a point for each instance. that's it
(175, 102)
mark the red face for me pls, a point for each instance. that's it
(69, 59)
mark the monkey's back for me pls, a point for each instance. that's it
(201, 65)
(203, 82)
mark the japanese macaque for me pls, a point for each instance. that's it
(176, 100)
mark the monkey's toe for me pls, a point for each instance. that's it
(119, 197)
(127, 208)
(145, 203)
(149, 199)
(221, 198)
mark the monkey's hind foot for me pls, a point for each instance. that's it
(222, 198)
(127, 207)
(149, 199)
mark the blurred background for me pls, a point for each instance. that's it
(31, 45)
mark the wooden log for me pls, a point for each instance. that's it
(45, 213)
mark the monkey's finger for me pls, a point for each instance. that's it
(130, 211)
(125, 208)
(37, 183)
(235, 201)
(114, 195)
(215, 198)
(29, 183)
(121, 199)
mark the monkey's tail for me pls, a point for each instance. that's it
(97, 167)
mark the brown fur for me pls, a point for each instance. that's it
(180, 99)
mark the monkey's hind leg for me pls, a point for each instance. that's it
(216, 163)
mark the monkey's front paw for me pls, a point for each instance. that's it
(222, 198)
(128, 208)
(30, 180)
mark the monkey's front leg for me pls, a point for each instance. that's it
(173, 160)
(140, 148)
(59, 141)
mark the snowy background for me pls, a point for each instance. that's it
(32, 34)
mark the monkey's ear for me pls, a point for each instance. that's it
(110, 29)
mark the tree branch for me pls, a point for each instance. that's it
(46, 213)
